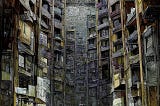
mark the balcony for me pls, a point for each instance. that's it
(117, 28)
(103, 25)
(104, 48)
(134, 59)
(118, 53)
(46, 13)
(57, 24)
(102, 13)
(91, 46)
(24, 49)
(133, 36)
(115, 14)
(58, 11)
(131, 17)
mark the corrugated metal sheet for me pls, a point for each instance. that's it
(152, 76)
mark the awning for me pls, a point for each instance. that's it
(25, 3)
(133, 36)
(117, 54)
(46, 13)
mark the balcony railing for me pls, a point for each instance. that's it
(104, 25)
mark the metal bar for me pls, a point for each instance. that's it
(140, 52)
(98, 52)
(123, 17)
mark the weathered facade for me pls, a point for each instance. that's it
(79, 52)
